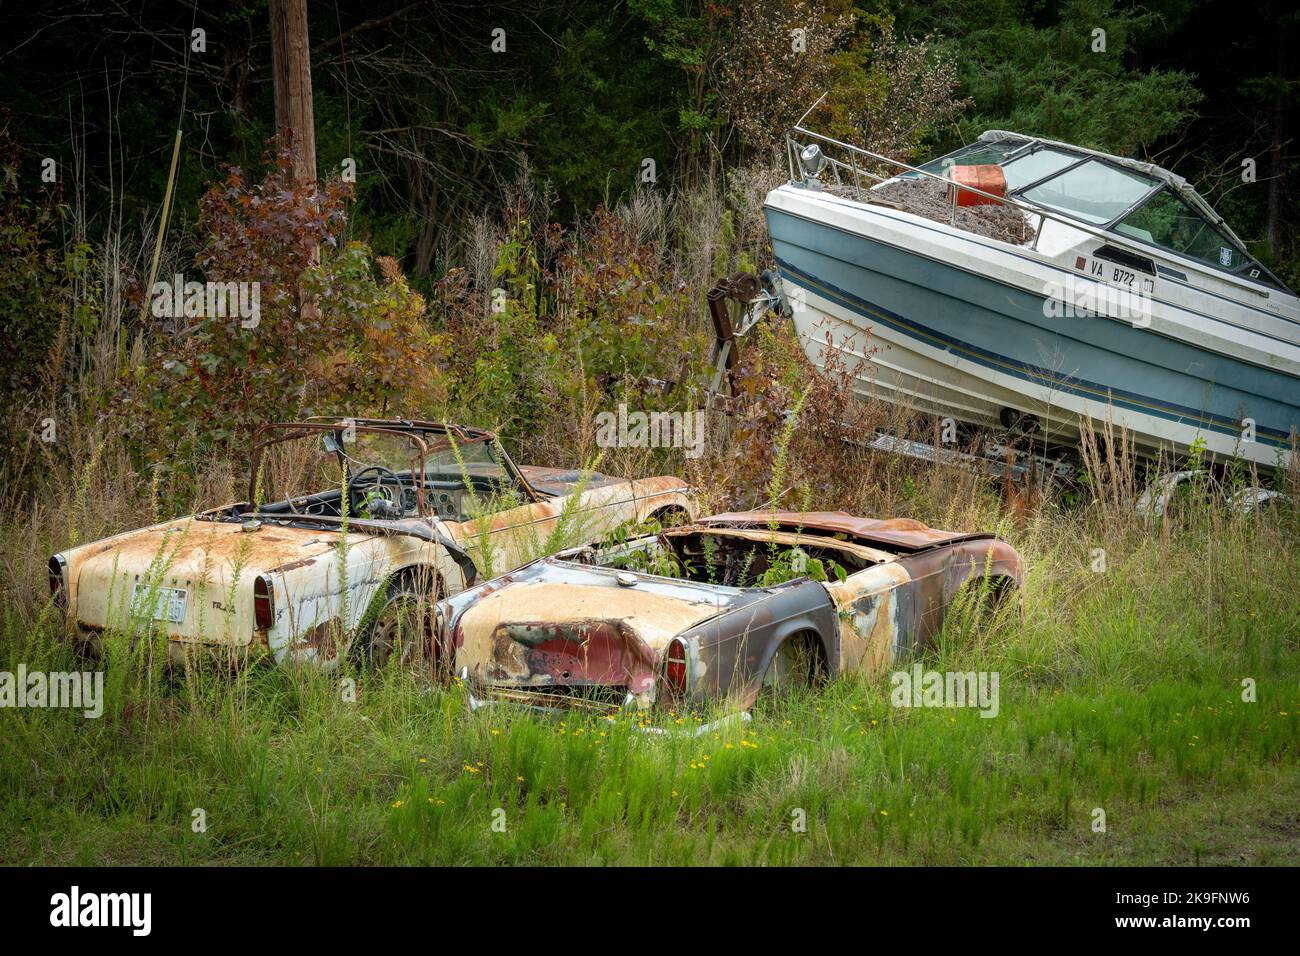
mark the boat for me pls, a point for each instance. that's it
(1107, 294)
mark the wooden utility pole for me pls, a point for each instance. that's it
(291, 75)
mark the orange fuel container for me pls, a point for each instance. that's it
(989, 178)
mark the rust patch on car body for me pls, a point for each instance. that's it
(872, 616)
(571, 654)
(653, 617)
(320, 638)
(294, 565)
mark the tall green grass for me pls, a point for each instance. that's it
(1120, 691)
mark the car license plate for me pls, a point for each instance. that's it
(1116, 275)
(168, 604)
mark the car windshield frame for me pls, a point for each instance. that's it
(425, 439)
(280, 432)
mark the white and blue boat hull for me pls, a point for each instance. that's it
(956, 324)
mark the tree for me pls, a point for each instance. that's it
(1064, 72)
(781, 58)
(291, 79)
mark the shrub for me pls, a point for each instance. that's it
(34, 279)
(331, 336)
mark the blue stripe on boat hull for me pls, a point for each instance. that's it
(1006, 328)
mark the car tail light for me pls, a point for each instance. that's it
(675, 665)
(58, 584)
(263, 604)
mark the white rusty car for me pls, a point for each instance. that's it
(351, 532)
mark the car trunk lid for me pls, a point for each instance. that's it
(559, 624)
(192, 577)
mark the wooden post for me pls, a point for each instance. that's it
(291, 76)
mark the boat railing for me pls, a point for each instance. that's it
(861, 160)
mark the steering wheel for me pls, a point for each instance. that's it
(358, 484)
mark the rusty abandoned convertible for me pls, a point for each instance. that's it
(722, 608)
(351, 532)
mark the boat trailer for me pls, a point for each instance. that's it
(738, 303)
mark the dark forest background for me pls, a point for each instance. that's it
(502, 261)
(586, 90)
(503, 256)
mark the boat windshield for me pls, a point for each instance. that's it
(1167, 221)
(976, 154)
(1085, 186)
(1095, 192)
(1022, 163)
(1030, 168)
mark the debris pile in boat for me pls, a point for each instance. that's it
(929, 198)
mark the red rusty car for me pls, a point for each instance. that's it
(719, 608)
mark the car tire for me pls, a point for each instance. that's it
(404, 626)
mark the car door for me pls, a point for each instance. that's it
(507, 532)
(518, 535)
(597, 511)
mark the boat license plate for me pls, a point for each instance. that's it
(1113, 274)
(168, 604)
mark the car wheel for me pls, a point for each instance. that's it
(402, 630)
